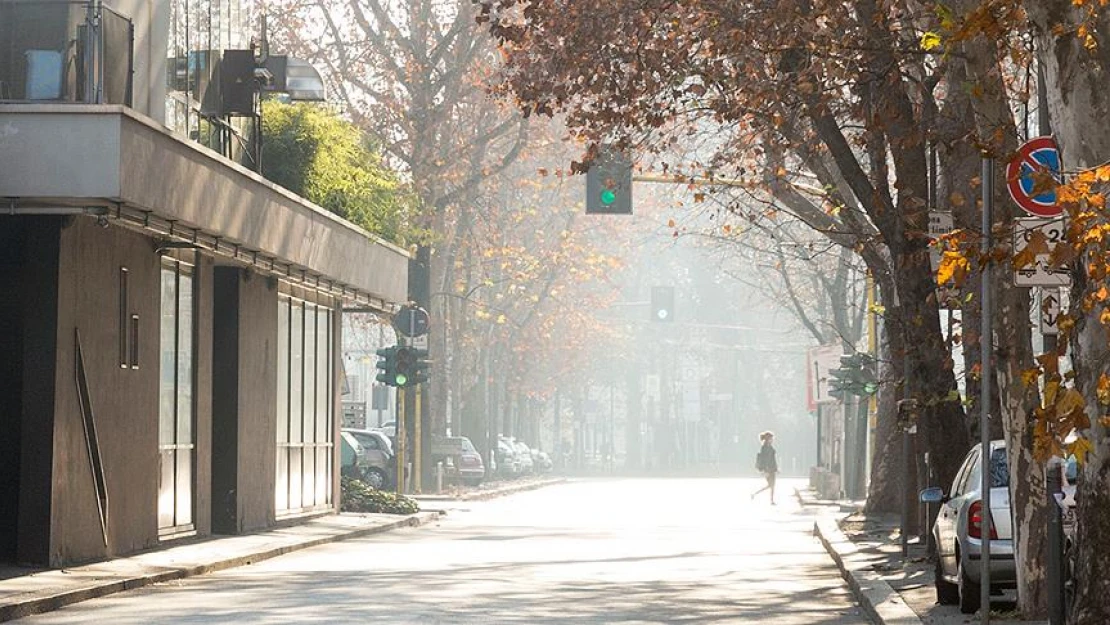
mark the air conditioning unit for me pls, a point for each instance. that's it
(44, 74)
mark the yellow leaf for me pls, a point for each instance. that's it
(930, 41)
(953, 268)
(1069, 402)
(1029, 376)
(1080, 448)
(1103, 391)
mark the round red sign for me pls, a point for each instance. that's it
(1025, 177)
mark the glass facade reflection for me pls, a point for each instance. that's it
(200, 31)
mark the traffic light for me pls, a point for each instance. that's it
(856, 376)
(839, 381)
(662, 303)
(388, 365)
(420, 367)
(609, 184)
(406, 366)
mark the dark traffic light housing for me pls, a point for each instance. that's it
(857, 375)
(662, 303)
(388, 365)
(609, 184)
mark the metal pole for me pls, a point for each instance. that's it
(986, 346)
(417, 442)
(1055, 555)
(400, 435)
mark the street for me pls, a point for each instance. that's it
(588, 551)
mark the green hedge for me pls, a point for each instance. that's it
(358, 497)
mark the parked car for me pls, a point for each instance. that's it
(462, 458)
(958, 531)
(352, 456)
(378, 466)
(470, 466)
(527, 465)
(508, 463)
(542, 461)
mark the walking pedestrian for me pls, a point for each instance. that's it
(766, 463)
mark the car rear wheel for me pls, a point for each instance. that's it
(968, 591)
(375, 478)
(947, 592)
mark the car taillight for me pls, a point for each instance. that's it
(975, 522)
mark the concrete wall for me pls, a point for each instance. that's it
(111, 153)
(124, 400)
(243, 400)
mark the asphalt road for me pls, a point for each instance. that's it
(594, 551)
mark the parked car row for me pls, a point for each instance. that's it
(958, 529)
(514, 458)
(368, 455)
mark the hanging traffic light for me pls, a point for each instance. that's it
(609, 184)
(388, 365)
(662, 303)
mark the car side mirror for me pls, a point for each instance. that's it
(934, 494)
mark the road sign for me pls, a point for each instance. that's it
(1033, 159)
(411, 321)
(1040, 272)
(1050, 311)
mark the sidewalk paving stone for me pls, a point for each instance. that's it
(892, 589)
(26, 591)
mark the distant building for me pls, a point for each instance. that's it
(169, 320)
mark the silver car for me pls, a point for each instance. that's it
(959, 537)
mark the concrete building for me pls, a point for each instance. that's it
(169, 320)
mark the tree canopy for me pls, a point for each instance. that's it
(317, 154)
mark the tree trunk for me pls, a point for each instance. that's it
(1078, 107)
(886, 486)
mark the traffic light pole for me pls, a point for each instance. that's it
(416, 436)
(400, 421)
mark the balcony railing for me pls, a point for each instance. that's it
(65, 51)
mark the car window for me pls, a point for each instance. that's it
(467, 445)
(1000, 469)
(959, 485)
(369, 441)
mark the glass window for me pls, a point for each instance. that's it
(176, 431)
(304, 406)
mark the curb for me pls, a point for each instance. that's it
(59, 599)
(883, 605)
(516, 488)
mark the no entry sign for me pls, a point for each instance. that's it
(1033, 160)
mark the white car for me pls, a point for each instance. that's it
(958, 531)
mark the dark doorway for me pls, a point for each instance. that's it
(12, 237)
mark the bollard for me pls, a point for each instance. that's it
(1055, 548)
(439, 477)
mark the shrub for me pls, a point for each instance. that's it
(358, 497)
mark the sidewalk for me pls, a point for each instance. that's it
(892, 590)
(26, 591)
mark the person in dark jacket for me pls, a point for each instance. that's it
(766, 463)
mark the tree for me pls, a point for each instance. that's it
(826, 82)
(325, 159)
(1071, 47)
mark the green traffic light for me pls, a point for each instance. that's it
(400, 379)
(608, 197)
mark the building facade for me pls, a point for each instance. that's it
(170, 322)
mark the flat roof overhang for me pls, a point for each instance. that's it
(136, 173)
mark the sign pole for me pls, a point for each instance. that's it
(986, 345)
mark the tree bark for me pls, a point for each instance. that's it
(1078, 106)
